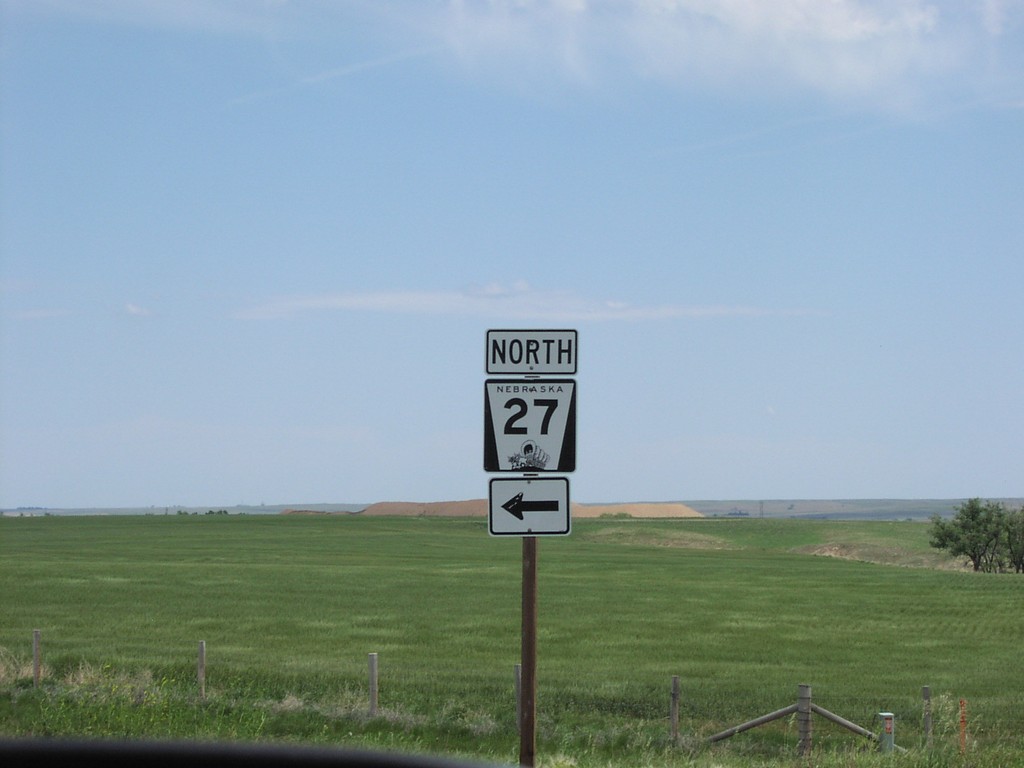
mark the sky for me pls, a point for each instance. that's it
(250, 251)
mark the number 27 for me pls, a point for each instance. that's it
(521, 407)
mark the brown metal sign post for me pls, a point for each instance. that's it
(528, 689)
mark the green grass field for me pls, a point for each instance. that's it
(289, 607)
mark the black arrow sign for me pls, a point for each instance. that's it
(516, 506)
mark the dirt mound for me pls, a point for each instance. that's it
(470, 508)
(478, 508)
(644, 509)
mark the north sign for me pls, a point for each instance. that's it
(525, 352)
(530, 425)
(529, 506)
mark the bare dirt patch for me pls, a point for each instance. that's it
(642, 536)
(881, 555)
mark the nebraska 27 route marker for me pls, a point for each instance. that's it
(530, 425)
(529, 506)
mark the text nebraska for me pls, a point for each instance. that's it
(529, 389)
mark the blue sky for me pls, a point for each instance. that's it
(251, 250)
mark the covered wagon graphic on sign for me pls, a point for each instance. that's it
(531, 457)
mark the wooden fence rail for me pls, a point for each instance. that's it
(753, 723)
(843, 722)
(803, 708)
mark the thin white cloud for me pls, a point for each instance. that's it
(336, 73)
(136, 311)
(12, 289)
(221, 16)
(881, 51)
(40, 314)
(361, 66)
(1000, 16)
(518, 302)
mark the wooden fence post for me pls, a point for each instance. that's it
(803, 719)
(674, 711)
(37, 657)
(517, 674)
(963, 726)
(926, 695)
(201, 669)
(373, 684)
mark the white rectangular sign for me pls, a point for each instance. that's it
(523, 506)
(525, 352)
(530, 425)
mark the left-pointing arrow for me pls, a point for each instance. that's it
(516, 506)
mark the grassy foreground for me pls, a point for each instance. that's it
(289, 607)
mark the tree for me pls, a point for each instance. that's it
(1015, 539)
(977, 531)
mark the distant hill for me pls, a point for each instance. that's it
(478, 508)
(825, 509)
(838, 509)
